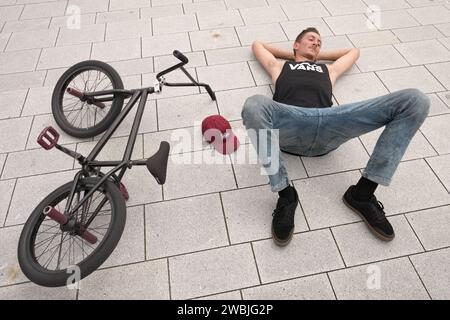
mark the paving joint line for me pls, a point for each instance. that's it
(420, 278)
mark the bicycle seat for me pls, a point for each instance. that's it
(157, 163)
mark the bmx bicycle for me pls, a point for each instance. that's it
(81, 222)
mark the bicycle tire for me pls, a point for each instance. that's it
(57, 278)
(60, 89)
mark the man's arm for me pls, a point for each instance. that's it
(267, 56)
(343, 59)
(277, 52)
(332, 55)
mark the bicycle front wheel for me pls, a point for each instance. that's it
(49, 252)
(79, 118)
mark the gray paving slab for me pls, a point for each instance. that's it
(198, 173)
(127, 283)
(374, 59)
(11, 272)
(30, 191)
(388, 280)
(263, 15)
(440, 166)
(204, 7)
(32, 39)
(413, 187)
(432, 268)
(121, 5)
(430, 15)
(252, 220)
(437, 105)
(116, 16)
(417, 33)
(6, 191)
(131, 247)
(185, 225)
(42, 10)
(374, 39)
(218, 18)
(435, 130)
(87, 34)
(424, 51)
(358, 87)
(307, 254)
(321, 199)
(230, 102)
(116, 50)
(359, 246)
(33, 162)
(411, 77)
(431, 226)
(195, 275)
(23, 80)
(174, 24)
(348, 156)
(218, 76)
(18, 61)
(38, 101)
(308, 288)
(440, 71)
(162, 11)
(57, 57)
(14, 133)
(349, 24)
(214, 39)
(24, 25)
(180, 112)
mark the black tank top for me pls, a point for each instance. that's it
(304, 84)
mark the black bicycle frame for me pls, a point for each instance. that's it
(90, 165)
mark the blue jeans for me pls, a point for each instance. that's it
(317, 131)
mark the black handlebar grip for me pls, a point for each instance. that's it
(180, 56)
(210, 92)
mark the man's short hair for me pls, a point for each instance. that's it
(304, 32)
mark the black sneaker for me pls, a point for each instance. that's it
(283, 220)
(372, 213)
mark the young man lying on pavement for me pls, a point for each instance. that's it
(299, 120)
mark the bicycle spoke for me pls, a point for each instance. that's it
(81, 247)
(55, 226)
(54, 252)
(45, 250)
(41, 243)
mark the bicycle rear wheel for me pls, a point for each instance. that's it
(48, 252)
(80, 118)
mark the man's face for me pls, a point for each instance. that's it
(309, 46)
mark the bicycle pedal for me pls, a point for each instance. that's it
(48, 138)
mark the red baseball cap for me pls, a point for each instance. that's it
(217, 130)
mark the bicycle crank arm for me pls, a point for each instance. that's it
(60, 218)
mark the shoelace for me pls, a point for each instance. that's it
(276, 211)
(279, 209)
(380, 215)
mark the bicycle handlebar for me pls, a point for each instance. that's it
(127, 93)
(184, 60)
(180, 56)
(210, 92)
